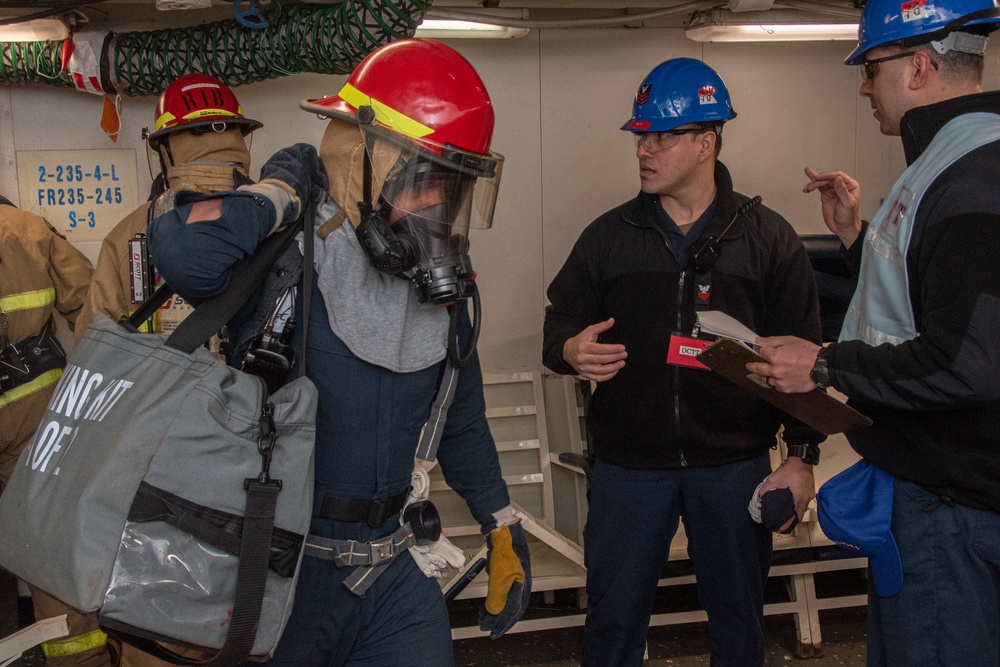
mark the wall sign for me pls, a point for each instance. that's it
(83, 193)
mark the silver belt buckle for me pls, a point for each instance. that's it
(381, 550)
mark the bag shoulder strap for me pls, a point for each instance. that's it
(308, 271)
(210, 316)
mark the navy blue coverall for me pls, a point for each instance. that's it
(368, 425)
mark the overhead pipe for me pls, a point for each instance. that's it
(322, 39)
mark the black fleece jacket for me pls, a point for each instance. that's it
(651, 414)
(935, 399)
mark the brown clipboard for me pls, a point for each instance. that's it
(816, 408)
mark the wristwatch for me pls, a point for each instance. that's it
(808, 453)
(820, 373)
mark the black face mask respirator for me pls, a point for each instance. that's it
(420, 249)
(424, 251)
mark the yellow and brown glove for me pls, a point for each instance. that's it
(509, 568)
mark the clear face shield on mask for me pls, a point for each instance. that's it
(420, 228)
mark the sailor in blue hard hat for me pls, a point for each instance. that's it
(893, 33)
(679, 97)
(917, 352)
(949, 24)
(672, 441)
(678, 92)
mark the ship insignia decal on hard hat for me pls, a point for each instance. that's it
(642, 96)
(913, 10)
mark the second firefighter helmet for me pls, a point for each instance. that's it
(198, 101)
(677, 92)
(886, 21)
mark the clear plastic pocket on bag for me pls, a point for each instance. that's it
(174, 577)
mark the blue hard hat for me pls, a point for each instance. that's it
(885, 21)
(676, 92)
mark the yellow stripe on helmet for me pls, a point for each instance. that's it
(195, 115)
(167, 119)
(164, 119)
(384, 114)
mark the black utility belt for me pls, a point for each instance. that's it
(422, 516)
(22, 362)
(361, 510)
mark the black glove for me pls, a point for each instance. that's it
(300, 168)
(777, 506)
(509, 588)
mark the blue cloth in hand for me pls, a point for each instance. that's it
(194, 258)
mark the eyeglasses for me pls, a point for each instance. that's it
(868, 68)
(654, 142)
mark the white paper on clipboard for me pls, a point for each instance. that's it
(717, 323)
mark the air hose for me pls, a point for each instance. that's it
(324, 39)
(455, 355)
(32, 62)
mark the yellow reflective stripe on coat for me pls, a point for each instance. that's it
(60, 648)
(27, 300)
(39, 383)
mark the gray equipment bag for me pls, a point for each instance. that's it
(165, 492)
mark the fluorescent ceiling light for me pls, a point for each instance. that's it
(790, 32)
(444, 29)
(37, 30)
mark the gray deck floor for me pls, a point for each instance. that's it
(674, 646)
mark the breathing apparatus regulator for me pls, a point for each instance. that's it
(423, 100)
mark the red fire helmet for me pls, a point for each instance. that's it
(427, 98)
(420, 90)
(198, 100)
